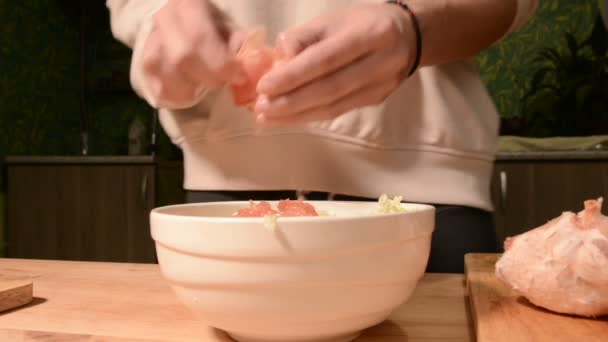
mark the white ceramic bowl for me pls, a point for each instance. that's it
(311, 279)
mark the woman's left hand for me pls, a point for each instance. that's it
(347, 59)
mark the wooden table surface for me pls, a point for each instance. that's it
(85, 301)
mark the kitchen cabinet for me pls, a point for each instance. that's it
(169, 183)
(532, 188)
(80, 208)
(96, 208)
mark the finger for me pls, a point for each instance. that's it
(222, 21)
(330, 88)
(291, 43)
(169, 84)
(171, 49)
(315, 61)
(178, 57)
(372, 94)
(219, 59)
(165, 50)
(236, 41)
(207, 36)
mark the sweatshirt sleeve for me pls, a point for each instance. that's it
(131, 24)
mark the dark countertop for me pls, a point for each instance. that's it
(553, 155)
(500, 156)
(80, 160)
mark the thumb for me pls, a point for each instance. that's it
(218, 45)
(221, 59)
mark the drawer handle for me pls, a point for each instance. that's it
(144, 190)
(503, 191)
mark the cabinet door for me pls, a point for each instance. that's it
(81, 212)
(512, 188)
(564, 186)
(141, 198)
(528, 194)
(43, 212)
(115, 215)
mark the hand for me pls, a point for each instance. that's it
(191, 48)
(338, 62)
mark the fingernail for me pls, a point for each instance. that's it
(265, 85)
(280, 46)
(262, 104)
(260, 119)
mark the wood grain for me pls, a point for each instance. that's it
(85, 301)
(516, 212)
(45, 336)
(539, 190)
(16, 290)
(501, 315)
(89, 212)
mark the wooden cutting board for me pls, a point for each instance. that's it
(15, 290)
(501, 315)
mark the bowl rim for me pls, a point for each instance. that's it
(161, 212)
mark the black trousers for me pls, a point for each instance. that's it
(458, 229)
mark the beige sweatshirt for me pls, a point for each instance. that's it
(433, 140)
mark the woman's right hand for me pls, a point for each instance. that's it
(191, 48)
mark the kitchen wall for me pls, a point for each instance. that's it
(41, 87)
(40, 84)
(506, 68)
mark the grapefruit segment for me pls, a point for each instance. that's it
(285, 208)
(260, 209)
(296, 208)
(256, 59)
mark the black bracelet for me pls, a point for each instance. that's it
(416, 30)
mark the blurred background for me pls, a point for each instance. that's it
(83, 159)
